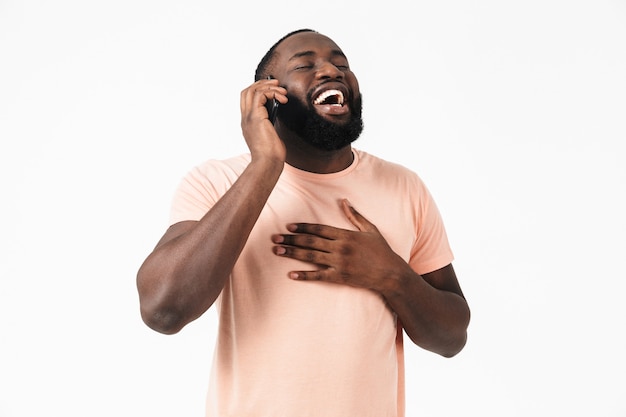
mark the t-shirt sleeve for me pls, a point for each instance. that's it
(431, 250)
(199, 190)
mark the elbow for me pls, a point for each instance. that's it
(162, 320)
(156, 308)
(446, 345)
(458, 342)
(167, 300)
(455, 347)
(447, 341)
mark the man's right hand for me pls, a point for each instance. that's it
(258, 131)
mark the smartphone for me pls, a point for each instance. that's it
(272, 106)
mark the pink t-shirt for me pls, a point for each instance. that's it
(312, 349)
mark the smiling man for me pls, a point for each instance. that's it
(317, 256)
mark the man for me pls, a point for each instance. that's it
(317, 255)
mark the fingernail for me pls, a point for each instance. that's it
(279, 250)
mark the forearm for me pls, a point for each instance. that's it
(434, 319)
(184, 275)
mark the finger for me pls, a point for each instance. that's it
(260, 92)
(356, 218)
(271, 90)
(304, 241)
(322, 230)
(306, 255)
(279, 93)
(318, 275)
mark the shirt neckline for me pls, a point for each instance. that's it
(323, 177)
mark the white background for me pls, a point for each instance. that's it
(512, 112)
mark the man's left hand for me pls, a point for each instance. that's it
(360, 258)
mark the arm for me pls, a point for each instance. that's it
(187, 270)
(431, 307)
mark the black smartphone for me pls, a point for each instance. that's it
(272, 106)
(272, 109)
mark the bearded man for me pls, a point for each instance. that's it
(318, 257)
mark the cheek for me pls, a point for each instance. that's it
(298, 95)
(353, 83)
(296, 90)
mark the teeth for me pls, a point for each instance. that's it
(329, 93)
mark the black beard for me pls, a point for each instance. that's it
(322, 134)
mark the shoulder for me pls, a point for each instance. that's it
(230, 167)
(203, 186)
(214, 176)
(386, 170)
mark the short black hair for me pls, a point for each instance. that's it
(261, 69)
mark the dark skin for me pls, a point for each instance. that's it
(188, 268)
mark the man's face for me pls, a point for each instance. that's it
(324, 105)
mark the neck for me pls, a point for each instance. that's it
(304, 156)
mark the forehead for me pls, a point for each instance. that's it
(306, 42)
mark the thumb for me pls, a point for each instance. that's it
(356, 218)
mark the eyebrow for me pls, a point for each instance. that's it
(334, 52)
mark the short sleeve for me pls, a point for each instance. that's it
(431, 250)
(203, 186)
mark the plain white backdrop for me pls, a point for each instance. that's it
(514, 114)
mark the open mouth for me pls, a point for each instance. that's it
(330, 97)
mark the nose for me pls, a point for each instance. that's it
(329, 70)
